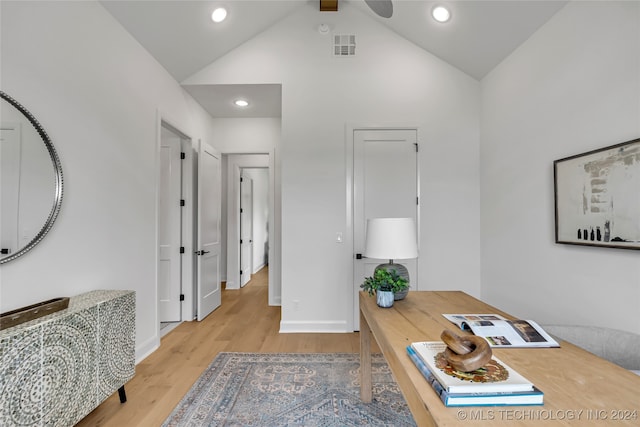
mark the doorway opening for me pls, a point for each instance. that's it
(171, 218)
(379, 195)
(254, 222)
(189, 228)
(249, 219)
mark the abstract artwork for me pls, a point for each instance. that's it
(597, 197)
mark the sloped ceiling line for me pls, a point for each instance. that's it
(182, 37)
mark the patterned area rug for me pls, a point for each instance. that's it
(269, 390)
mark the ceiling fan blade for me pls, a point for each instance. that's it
(383, 8)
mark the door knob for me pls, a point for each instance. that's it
(202, 252)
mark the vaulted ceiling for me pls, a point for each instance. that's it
(180, 34)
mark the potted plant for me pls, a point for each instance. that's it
(386, 283)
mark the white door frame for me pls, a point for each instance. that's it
(170, 226)
(246, 185)
(188, 231)
(233, 225)
(350, 129)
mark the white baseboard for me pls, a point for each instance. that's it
(292, 327)
(146, 348)
(260, 267)
(275, 301)
(231, 285)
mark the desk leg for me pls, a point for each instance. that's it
(365, 361)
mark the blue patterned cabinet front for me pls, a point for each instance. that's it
(56, 369)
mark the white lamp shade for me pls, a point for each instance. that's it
(391, 238)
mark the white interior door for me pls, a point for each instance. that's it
(169, 228)
(385, 186)
(246, 229)
(10, 163)
(209, 245)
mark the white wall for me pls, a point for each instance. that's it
(572, 87)
(247, 135)
(390, 81)
(97, 93)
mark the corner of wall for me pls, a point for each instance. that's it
(145, 349)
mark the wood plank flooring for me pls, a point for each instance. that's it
(244, 323)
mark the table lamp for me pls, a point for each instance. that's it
(391, 238)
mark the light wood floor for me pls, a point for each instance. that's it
(243, 323)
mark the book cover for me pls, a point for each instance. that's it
(532, 397)
(495, 376)
(501, 332)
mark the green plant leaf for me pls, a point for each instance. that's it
(384, 280)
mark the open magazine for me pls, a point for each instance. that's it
(500, 332)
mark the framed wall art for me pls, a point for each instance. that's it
(597, 197)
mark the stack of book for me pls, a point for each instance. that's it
(495, 385)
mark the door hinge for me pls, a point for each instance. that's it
(240, 241)
(416, 144)
(183, 156)
(241, 272)
(241, 179)
(418, 201)
(241, 210)
(181, 202)
(181, 249)
(181, 297)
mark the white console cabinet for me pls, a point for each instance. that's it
(58, 368)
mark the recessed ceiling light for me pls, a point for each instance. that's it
(241, 103)
(219, 14)
(440, 13)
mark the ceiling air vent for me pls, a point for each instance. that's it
(344, 45)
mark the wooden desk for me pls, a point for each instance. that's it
(580, 388)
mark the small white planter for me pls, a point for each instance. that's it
(384, 299)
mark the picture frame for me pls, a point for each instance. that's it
(597, 197)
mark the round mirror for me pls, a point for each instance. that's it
(30, 181)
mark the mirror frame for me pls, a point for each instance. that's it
(57, 169)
